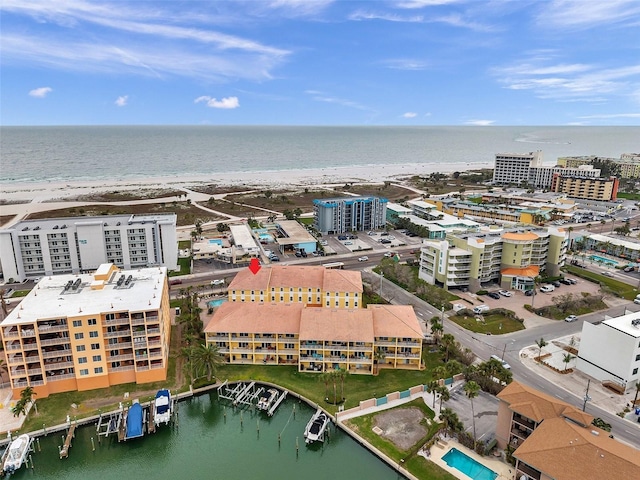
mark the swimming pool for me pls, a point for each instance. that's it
(215, 240)
(266, 237)
(467, 465)
(598, 258)
(216, 303)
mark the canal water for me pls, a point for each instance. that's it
(211, 441)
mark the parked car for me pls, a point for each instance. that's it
(274, 259)
(324, 243)
(481, 309)
(348, 243)
(571, 318)
(573, 281)
(565, 281)
(495, 295)
(628, 269)
(555, 283)
(385, 241)
(363, 259)
(505, 293)
(219, 281)
(547, 288)
(176, 281)
(530, 293)
(636, 301)
(607, 274)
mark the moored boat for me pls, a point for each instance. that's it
(316, 427)
(135, 419)
(162, 407)
(267, 398)
(17, 453)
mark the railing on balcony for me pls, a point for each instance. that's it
(524, 421)
(30, 346)
(54, 341)
(155, 354)
(64, 376)
(117, 321)
(19, 384)
(137, 321)
(119, 346)
(119, 333)
(124, 356)
(15, 359)
(27, 333)
(529, 472)
(52, 328)
(122, 369)
(57, 365)
(218, 338)
(34, 371)
(36, 383)
(151, 331)
(9, 333)
(56, 353)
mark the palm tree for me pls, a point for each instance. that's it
(378, 356)
(436, 328)
(27, 395)
(541, 344)
(3, 368)
(432, 387)
(334, 378)
(471, 389)
(440, 372)
(341, 373)
(566, 358)
(453, 367)
(637, 385)
(188, 354)
(448, 341)
(208, 358)
(326, 378)
(20, 408)
(445, 396)
(570, 229)
(451, 421)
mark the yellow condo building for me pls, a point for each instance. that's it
(312, 317)
(81, 332)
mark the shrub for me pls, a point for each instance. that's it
(482, 292)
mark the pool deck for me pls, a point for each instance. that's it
(441, 447)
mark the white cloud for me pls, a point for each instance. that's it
(611, 115)
(40, 92)
(122, 100)
(480, 123)
(410, 115)
(405, 64)
(582, 14)
(224, 103)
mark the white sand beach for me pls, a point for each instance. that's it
(285, 179)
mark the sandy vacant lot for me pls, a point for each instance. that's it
(401, 426)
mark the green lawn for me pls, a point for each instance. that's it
(184, 244)
(494, 324)
(417, 465)
(185, 267)
(622, 289)
(20, 293)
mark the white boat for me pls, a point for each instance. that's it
(17, 453)
(267, 398)
(162, 407)
(314, 431)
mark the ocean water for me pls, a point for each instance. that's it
(35, 154)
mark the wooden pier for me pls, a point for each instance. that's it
(151, 426)
(64, 451)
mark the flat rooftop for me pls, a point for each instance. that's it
(107, 220)
(629, 324)
(294, 233)
(50, 300)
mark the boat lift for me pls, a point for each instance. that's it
(224, 391)
(108, 423)
(246, 395)
(275, 405)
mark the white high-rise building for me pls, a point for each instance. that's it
(33, 248)
(514, 168)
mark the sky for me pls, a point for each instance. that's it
(320, 62)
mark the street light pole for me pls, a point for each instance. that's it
(381, 277)
(442, 316)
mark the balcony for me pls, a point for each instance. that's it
(27, 332)
(54, 341)
(137, 321)
(15, 359)
(217, 338)
(118, 346)
(64, 376)
(57, 365)
(34, 371)
(527, 471)
(119, 333)
(13, 346)
(122, 369)
(20, 384)
(117, 321)
(123, 357)
(56, 353)
(52, 328)
(151, 331)
(520, 420)
(36, 383)
(30, 346)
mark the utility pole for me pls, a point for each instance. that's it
(503, 351)
(381, 277)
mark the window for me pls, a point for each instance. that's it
(93, 334)
(98, 370)
(95, 346)
(79, 336)
(84, 371)
(635, 370)
(77, 323)
(92, 321)
(637, 358)
(97, 358)
(80, 348)
(82, 360)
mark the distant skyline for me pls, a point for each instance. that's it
(320, 62)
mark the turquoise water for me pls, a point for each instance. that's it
(467, 465)
(212, 442)
(216, 303)
(598, 258)
(266, 236)
(215, 240)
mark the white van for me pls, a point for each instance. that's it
(481, 309)
(547, 288)
(504, 364)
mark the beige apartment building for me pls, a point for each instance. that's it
(553, 440)
(602, 189)
(87, 331)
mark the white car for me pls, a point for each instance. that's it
(219, 281)
(324, 243)
(363, 259)
(481, 309)
(636, 301)
(607, 274)
(547, 288)
(348, 243)
(505, 293)
(571, 318)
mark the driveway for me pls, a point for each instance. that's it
(485, 407)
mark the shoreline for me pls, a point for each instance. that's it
(40, 191)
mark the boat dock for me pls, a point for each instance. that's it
(64, 451)
(277, 403)
(108, 423)
(151, 426)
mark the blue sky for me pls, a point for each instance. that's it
(323, 62)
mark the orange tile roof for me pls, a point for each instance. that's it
(246, 280)
(305, 277)
(530, 271)
(395, 321)
(563, 450)
(337, 325)
(539, 406)
(342, 281)
(237, 317)
(520, 236)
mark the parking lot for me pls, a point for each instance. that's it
(518, 299)
(363, 241)
(486, 412)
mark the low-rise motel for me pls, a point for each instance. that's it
(87, 331)
(312, 317)
(552, 440)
